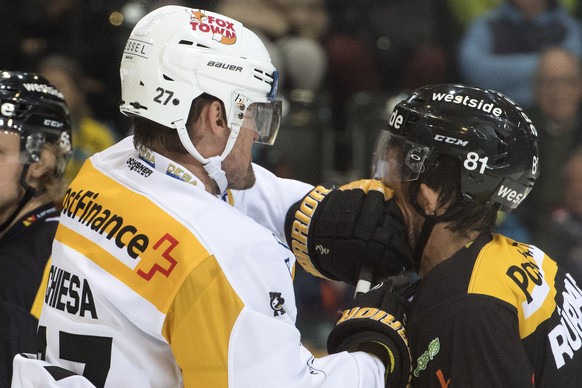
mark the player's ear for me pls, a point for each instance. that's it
(428, 199)
(45, 165)
(214, 117)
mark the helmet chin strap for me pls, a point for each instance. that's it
(29, 192)
(429, 222)
(212, 165)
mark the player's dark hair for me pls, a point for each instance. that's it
(443, 176)
(159, 137)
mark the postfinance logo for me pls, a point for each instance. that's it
(128, 235)
(83, 207)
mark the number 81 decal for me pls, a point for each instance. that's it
(534, 165)
(474, 162)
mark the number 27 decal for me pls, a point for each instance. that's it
(160, 99)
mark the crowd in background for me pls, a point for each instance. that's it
(343, 65)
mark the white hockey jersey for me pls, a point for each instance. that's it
(154, 282)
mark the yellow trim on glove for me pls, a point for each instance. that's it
(300, 228)
(369, 184)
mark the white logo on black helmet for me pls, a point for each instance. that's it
(451, 140)
(53, 123)
(531, 127)
(459, 99)
(396, 119)
(7, 109)
(510, 193)
(43, 88)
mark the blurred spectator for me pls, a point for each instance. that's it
(81, 30)
(292, 31)
(89, 135)
(388, 46)
(510, 225)
(558, 120)
(501, 49)
(465, 11)
(565, 223)
(377, 49)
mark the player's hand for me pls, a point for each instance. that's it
(374, 323)
(334, 232)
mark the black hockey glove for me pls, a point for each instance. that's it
(334, 232)
(374, 323)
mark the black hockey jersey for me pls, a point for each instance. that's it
(24, 251)
(497, 314)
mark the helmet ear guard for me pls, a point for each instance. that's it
(33, 145)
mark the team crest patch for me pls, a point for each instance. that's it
(277, 303)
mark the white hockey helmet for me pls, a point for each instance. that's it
(174, 54)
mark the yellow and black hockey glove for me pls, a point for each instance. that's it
(334, 232)
(374, 323)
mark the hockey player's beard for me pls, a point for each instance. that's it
(238, 164)
(241, 179)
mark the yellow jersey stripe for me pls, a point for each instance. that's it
(206, 304)
(520, 275)
(36, 308)
(148, 258)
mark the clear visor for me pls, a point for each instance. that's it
(396, 159)
(264, 118)
(10, 152)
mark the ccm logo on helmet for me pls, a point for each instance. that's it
(226, 66)
(451, 140)
(53, 123)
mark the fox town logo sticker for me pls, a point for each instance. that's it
(222, 30)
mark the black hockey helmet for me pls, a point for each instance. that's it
(489, 133)
(36, 110)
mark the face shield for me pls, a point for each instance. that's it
(264, 118)
(396, 159)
